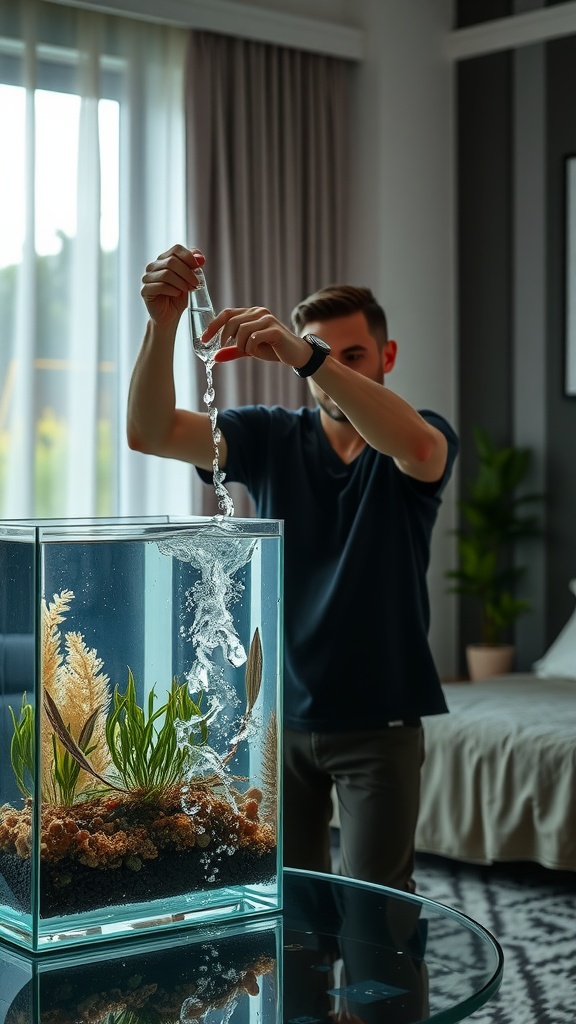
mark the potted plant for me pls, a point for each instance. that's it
(494, 517)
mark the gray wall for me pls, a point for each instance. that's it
(560, 411)
(515, 129)
(485, 266)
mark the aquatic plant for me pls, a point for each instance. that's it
(73, 715)
(253, 674)
(270, 770)
(164, 794)
(76, 686)
(146, 756)
(93, 741)
(67, 767)
(252, 684)
(69, 758)
(22, 747)
(88, 739)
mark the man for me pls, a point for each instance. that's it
(357, 482)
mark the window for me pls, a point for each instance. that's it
(87, 103)
(56, 141)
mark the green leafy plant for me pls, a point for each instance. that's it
(22, 747)
(143, 743)
(494, 520)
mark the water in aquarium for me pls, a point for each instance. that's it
(146, 673)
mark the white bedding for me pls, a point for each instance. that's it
(499, 779)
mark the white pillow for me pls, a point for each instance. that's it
(560, 658)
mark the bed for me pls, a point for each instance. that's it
(499, 779)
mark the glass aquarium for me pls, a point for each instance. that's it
(224, 973)
(140, 733)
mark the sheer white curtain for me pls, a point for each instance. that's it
(91, 188)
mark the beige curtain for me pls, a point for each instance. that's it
(267, 148)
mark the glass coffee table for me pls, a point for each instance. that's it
(341, 952)
(360, 954)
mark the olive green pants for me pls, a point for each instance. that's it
(376, 776)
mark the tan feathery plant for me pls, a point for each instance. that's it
(52, 615)
(79, 689)
(84, 691)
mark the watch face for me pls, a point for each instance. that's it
(317, 342)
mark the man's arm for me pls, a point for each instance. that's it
(154, 424)
(386, 421)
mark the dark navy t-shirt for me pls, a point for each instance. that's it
(356, 552)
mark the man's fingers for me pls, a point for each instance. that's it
(235, 321)
(183, 253)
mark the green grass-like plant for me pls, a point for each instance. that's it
(143, 744)
(22, 747)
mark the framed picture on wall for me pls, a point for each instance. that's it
(570, 312)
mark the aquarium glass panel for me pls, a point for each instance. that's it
(140, 733)
(18, 658)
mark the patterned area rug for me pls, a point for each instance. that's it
(531, 911)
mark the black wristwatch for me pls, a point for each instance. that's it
(319, 352)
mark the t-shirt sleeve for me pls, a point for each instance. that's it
(435, 490)
(451, 436)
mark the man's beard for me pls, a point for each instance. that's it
(332, 410)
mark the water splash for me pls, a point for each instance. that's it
(200, 314)
(217, 552)
(225, 503)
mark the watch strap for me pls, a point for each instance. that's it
(317, 357)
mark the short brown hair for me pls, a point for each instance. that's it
(340, 300)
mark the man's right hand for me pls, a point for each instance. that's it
(153, 424)
(167, 281)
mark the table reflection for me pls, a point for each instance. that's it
(349, 956)
(340, 953)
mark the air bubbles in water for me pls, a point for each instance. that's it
(217, 552)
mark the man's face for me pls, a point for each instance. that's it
(353, 345)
